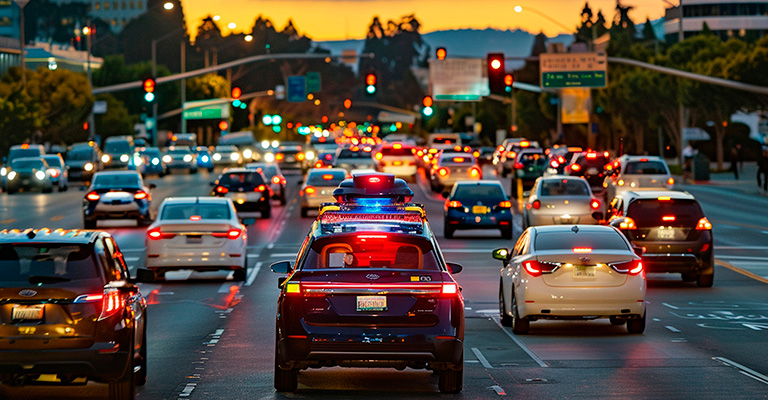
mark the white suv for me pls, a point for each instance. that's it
(637, 172)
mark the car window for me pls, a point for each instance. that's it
(391, 151)
(330, 178)
(371, 251)
(118, 146)
(242, 179)
(116, 267)
(645, 168)
(22, 264)
(80, 154)
(652, 212)
(107, 181)
(566, 241)
(53, 161)
(19, 153)
(202, 210)
(491, 193)
(444, 140)
(520, 244)
(564, 187)
(21, 164)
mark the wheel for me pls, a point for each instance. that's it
(520, 326)
(10, 191)
(193, 171)
(286, 380)
(282, 198)
(89, 224)
(240, 274)
(140, 377)
(617, 321)
(636, 325)
(705, 280)
(60, 188)
(451, 380)
(123, 388)
(506, 320)
(506, 233)
(448, 231)
(266, 213)
(304, 212)
(48, 189)
(210, 169)
(161, 174)
(688, 276)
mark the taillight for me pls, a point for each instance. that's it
(111, 301)
(671, 181)
(230, 234)
(594, 204)
(379, 156)
(93, 196)
(310, 191)
(276, 180)
(532, 268)
(453, 204)
(628, 223)
(261, 188)
(450, 288)
(576, 167)
(518, 165)
(554, 164)
(633, 267)
(442, 171)
(474, 172)
(279, 157)
(703, 225)
(536, 204)
(140, 195)
(221, 190)
(157, 234)
(505, 204)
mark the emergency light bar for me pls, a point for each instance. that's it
(335, 217)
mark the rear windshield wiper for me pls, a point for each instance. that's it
(38, 279)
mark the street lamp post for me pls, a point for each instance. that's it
(21, 4)
(88, 31)
(167, 6)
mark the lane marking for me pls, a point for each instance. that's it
(481, 358)
(673, 329)
(744, 370)
(741, 271)
(520, 344)
(57, 218)
(283, 255)
(741, 247)
(132, 259)
(499, 390)
(467, 251)
(671, 306)
(750, 258)
(254, 271)
(271, 245)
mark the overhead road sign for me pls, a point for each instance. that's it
(313, 82)
(206, 109)
(297, 89)
(458, 79)
(564, 70)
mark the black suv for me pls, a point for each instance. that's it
(671, 228)
(248, 189)
(591, 166)
(69, 308)
(370, 289)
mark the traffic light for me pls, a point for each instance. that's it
(347, 103)
(370, 84)
(236, 93)
(509, 79)
(441, 53)
(223, 125)
(427, 103)
(149, 90)
(496, 72)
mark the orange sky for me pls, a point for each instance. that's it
(349, 19)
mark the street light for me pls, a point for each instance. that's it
(21, 4)
(169, 6)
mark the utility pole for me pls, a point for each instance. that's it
(183, 81)
(21, 4)
(89, 43)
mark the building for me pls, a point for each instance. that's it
(746, 19)
(116, 13)
(10, 53)
(54, 56)
(9, 19)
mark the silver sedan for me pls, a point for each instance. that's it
(559, 199)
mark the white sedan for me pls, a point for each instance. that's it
(198, 233)
(571, 272)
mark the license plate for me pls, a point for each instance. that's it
(194, 240)
(666, 234)
(28, 312)
(25, 182)
(479, 209)
(371, 303)
(584, 271)
(592, 171)
(397, 163)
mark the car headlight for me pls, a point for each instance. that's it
(88, 167)
(40, 175)
(3, 171)
(234, 156)
(205, 158)
(155, 161)
(12, 175)
(310, 155)
(247, 153)
(167, 158)
(217, 157)
(269, 157)
(265, 144)
(124, 158)
(137, 161)
(187, 158)
(105, 158)
(275, 144)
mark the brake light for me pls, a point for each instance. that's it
(279, 156)
(532, 268)
(453, 204)
(319, 164)
(511, 154)
(157, 234)
(442, 171)
(474, 172)
(664, 198)
(140, 195)
(25, 146)
(505, 204)
(221, 190)
(230, 234)
(638, 269)
(194, 218)
(594, 204)
(582, 249)
(576, 167)
(605, 154)
(476, 153)
(554, 164)
(591, 155)
(93, 196)
(643, 159)
(536, 204)
(671, 181)
(261, 188)
(54, 172)
(310, 191)
(111, 301)
(276, 180)
(525, 143)
(379, 156)
(420, 153)
(518, 165)
(457, 148)
(633, 267)
(300, 156)
(397, 146)
(458, 159)
(450, 288)
(628, 223)
(668, 218)
(703, 225)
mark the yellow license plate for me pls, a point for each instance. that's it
(479, 209)
(584, 271)
(27, 312)
(371, 303)
(397, 163)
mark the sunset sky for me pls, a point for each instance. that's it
(349, 19)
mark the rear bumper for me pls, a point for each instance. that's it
(576, 302)
(460, 220)
(190, 260)
(677, 256)
(90, 362)
(535, 219)
(132, 210)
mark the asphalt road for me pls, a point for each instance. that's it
(213, 338)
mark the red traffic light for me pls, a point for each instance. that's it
(236, 92)
(427, 101)
(223, 125)
(370, 80)
(149, 85)
(324, 119)
(496, 72)
(509, 79)
(441, 53)
(347, 103)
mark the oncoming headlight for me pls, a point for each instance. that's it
(247, 153)
(12, 175)
(205, 158)
(124, 158)
(187, 158)
(40, 175)
(269, 157)
(234, 156)
(155, 161)
(310, 155)
(167, 158)
(217, 157)
(3, 171)
(137, 161)
(88, 167)
(105, 158)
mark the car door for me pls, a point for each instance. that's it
(117, 268)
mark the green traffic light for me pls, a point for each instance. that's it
(370, 89)
(149, 97)
(427, 111)
(236, 103)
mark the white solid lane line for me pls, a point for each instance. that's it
(520, 344)
(252, 274)
(481, 358)
(744, 370)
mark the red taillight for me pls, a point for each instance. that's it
(628, 223)
(111, 301)
(703, 225)
(450, 288)
(668, 218)
(518, 165)
(637, 269)
(474, 172)
(633, 267)
(233, 233)
(453, 204)
(157, 234)
(93, 196)
(276, 180)
(310, 191)
(319, 164)
(591, 156)
(140, 195)
(505, 204)
(536, 204)
(554, 164)
(221, 190)
(576, 167)
(261, 188)
(671, 181)
(532, 268)
(54, 173)
(442, 171)
(594, 204)
(379, 156)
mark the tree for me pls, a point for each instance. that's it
(20, 115)
(208, 86)
(117, 120)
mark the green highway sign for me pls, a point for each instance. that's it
(206, 109)
(313, 82)
(566, 79)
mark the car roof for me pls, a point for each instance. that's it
(196, 199)
(628, 157)
(570, 228)
(118, 173)
(45, 235)
(655, 194)
(562, 178)
(36, 158)
(478, 183)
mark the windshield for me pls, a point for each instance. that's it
(652, 212)
(24, 264)
(27, 164)
(391, 151)
(118, 146)
(82, 154)
(646, 168)
(244, 179)
(371, 251)
(203, 210)
(326, 178)
(566, 241)
(489, 193)
(117, 181)
(564, 187)
(53, 161)
(19, 153)
(596, 161)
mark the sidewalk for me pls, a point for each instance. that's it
(746, 184)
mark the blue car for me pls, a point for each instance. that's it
(204, 158)
(478, 205)
(149, 161)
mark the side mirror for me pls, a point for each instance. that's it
(445, 194)
(639, 250)
(248, 221)
(501, 254)
(597, 215)
(281, 267)
(144, 275)
(152, 186)
(454, 268)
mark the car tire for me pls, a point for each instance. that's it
(520, 326)
(304, 213)
(637, 325)
(210, 169)
(193, 171)
(240, 274)
(140, 377)
(705, 280)
(286, 380)
(617, 321)
(10, 191)
(48, 189)
(506, 233)
(123, 388)
(506, 319)
(283, 200)
(448, 231)
(89, 224)
(451, 380)
(267, 213)
(60, 188)
(688, 276)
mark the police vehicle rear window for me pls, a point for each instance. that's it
(45, 264)
(651, 212)
(189, 210)
(490, 193)
(645, 168)
(563, 187)
(567, 241)
(371, 250)
(105, 181)
(331, 178)
(242, 179)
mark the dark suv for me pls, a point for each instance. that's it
(249, 190)
(591, 166)
(671, 228)
(69, 308)
(370, 289)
